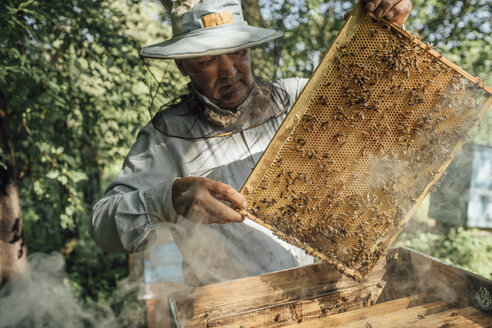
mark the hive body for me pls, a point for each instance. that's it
(372, 132)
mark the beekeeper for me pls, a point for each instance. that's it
(187, 163)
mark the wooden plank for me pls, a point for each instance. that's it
(213, 302)
(371, 311)
(157, 303)
(458, 322)
(395, 318)
(410, 271)
(304, 310)
(465, 317)
(401, 278)
(446, 282)
(157, 313)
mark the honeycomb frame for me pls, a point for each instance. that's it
(371, 133)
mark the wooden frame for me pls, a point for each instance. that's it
(305, 232)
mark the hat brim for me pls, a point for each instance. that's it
(211, 41)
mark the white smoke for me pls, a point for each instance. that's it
(44, 296)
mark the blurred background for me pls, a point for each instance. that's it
(75, 93)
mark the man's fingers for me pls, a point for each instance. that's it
(399, 13)
(225, 192)
(394, 10)
(200, 200)
(227, 213)
(218, 212)
(385, 7)
(208, 209)
(372, 5)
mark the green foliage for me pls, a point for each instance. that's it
(466, 248)
(310, 27)
(75, 93)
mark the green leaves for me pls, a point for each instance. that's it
(467, 248)
(75, 94)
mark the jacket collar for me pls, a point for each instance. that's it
(218, 115)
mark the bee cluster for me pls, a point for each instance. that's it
(379, 130)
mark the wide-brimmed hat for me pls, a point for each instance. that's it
(207, 28)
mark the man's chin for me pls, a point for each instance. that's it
(233, 99)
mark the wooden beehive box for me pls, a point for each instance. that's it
(405, 289)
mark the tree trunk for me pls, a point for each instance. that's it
(12, 247)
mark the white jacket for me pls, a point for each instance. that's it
(139, 200)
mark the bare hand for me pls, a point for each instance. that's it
(200, 200)
(396, 11)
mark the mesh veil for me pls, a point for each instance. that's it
(185, 116)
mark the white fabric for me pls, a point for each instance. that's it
(140, 199)
(192, 39)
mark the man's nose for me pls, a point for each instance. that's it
(227, 68)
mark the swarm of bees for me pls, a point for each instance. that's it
(378, 131)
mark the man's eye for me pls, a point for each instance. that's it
(207, 61)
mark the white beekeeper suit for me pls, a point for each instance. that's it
(182, 141)
(140, 199)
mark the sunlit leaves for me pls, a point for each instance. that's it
(75, 93)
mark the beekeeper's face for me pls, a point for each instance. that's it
(224, 79)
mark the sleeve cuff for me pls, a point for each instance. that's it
(159, 203)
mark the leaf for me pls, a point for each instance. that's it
(25, 4)
(63, 179)
(52, 174)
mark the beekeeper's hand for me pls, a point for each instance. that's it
(396, 11)
(201, 200)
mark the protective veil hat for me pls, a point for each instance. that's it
(207, 28)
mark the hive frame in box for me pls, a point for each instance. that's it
(372, 132)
